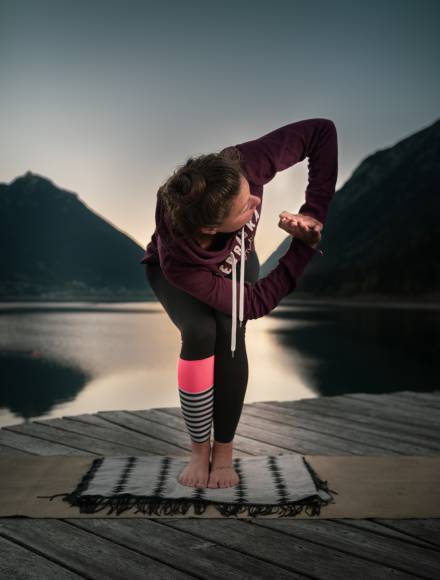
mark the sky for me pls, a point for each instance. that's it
(107, 98)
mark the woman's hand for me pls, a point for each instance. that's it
(304, 227)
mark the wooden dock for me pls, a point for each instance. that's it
(405, 423)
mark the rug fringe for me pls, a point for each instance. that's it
(163, 506)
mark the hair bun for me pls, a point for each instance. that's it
(185, 183)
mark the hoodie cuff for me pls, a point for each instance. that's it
(298, 256)
(305, 247)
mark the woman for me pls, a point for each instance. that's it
(207, 214)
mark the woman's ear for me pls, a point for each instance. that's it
(210, 231)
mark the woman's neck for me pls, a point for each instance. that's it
(206, 241)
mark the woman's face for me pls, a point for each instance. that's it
(241, 212)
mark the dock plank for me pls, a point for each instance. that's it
(336, 413)
(418, 529)
(6, 450)
(121, 436)
(428, 399)
(19, 562)
(426, 536)
(292, 552)
(398, 423)
(82, 443)
(341, 439)
(347, 430)
(31, 444)
(242, 445)
(298, 440)
(211, 560)
(397, 553)
(429, 421)
(92, 556)
(400, 404)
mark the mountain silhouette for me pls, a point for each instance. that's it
(382, 233)
(380, 238)
(54, 246)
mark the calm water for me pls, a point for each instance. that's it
(71, 358)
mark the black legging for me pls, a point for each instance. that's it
(212, 384)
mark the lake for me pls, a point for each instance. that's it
(60, 359)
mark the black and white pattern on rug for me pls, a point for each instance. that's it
(198, 410)
(284, 484)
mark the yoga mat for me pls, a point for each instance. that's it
(366, 486)
(285, 484)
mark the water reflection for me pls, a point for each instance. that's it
(365, 349)
(33, 384)
(67, 359)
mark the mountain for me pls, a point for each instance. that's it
(54, 246)
(382, 234)
(380, 238)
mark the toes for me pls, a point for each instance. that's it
(222, 484)
(192, 482)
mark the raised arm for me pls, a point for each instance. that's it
(259, 299)
(275, 151)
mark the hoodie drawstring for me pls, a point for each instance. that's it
(234, 293)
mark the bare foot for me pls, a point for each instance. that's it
(195, 473)
(223, 476)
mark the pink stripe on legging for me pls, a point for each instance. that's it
(195, 376)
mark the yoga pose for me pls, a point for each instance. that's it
(207, 213)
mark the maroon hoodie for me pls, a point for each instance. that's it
(204, 273)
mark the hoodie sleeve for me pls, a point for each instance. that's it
(259, 299)
(313, 138)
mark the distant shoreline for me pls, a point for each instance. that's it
(77, 299)
(429, 301)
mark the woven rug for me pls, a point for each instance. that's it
(284, 484)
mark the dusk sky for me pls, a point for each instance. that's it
(106, 98)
